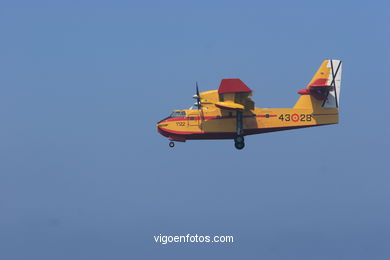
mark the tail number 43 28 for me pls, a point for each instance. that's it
(295, 117)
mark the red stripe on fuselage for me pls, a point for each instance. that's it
(222, 135)
(209, 117)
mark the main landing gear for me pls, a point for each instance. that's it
(171, 144)
(239, 142)
(239, 139)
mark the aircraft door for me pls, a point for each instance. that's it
(193, 120)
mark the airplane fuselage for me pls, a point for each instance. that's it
(196, 124)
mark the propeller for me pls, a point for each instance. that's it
(197, 97)
(198, 103)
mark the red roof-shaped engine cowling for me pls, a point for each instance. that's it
(232, 86)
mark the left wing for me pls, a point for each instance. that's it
(229, 105)
(234, 95)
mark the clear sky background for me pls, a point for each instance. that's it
(85, 175)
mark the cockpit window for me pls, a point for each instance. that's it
(178, 114)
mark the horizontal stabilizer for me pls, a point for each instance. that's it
(325, 85)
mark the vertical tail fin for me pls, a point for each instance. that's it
(323, 91)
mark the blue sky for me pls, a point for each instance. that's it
(84, 174)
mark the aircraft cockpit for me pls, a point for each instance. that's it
(177, 114)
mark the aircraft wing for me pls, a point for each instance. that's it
(234, 95)
(228, 105)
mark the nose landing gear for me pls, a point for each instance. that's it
(171, 144)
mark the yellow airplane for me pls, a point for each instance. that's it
(230, 113)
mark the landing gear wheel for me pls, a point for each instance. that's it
(239, 145)
(171, 144)
(239, 139)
